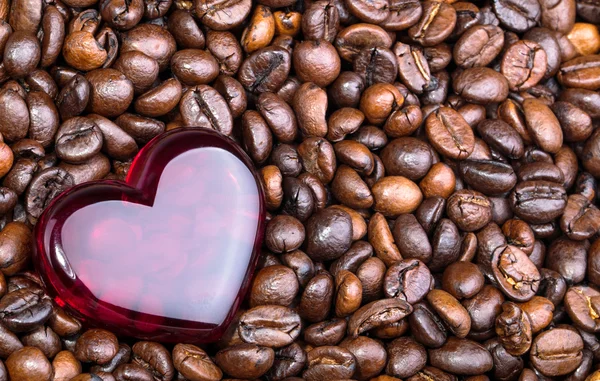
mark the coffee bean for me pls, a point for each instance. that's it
(395, 195)
(409, 280)
(436, 23)
(462, 280)
(123, 356)
(446, 244)
(517, 18)
(488, 176)
(411, 238)
(481, 85)
(516, 275)
(28, 363)
(329, 362)
(461, 356)
(96, 345)
(514, 329)
(406, 357)
(407, 157)
(203, 106)
(413, 68)
(65, 366)
(449, 133)
(274, 285)
(310, 106)
(24, 310)
(155, 358)
(265, 70)
(315, 302)
(132, 371)
(557, 352)
(320, 21)
(526, 200)
(454, 315)
(348, 293)
(469, 210)
(524, 64)
(352, 39)
(478, 46)
(236, 360)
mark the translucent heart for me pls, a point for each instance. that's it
(165, 256)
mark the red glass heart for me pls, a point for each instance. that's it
(168, 254)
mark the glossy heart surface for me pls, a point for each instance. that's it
(166, 255)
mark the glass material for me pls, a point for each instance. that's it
(166, 256)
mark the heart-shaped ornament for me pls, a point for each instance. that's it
(168, 254)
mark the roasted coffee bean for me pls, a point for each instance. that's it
(462, 280)
(449, 133)
(409, 280)
(515, 274)
(245, 360)
(45, 339)
(542, 125)
(77, 140)
(395, 195)
(376, 65)
(44, 187)
(265, 70)
(226, 49)
(538, 201)
(128, 372)
(352, 39)
(478, 46)
(407, 157)
(15, 245)
(483, 309)
(278, 115)
(469, 210)
(540, 312)
(123, 356)
(96, 345)
(581, 305)
(24, 310)
(274, 285)
(203, 106)
(329, 362)
(426, 326)
(517, 16)
(506, 366)
(155, 358)
(348, 293)
(315, 302)
(524, 64)
(481, 85)
(488, 176)
(501, 137)
(65, 366)
(28, 363)
(345, 91)
(454, 315)
(514, 329)
(411, 238)
(413, 68)
(320, 21)
(557, 352)
(436, 23)
(461, 356)
(405, 357)
(446, 244)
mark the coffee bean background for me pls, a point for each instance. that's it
(431, 171)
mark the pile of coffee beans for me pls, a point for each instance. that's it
(431, 174)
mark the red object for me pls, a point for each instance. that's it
(167, 255)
